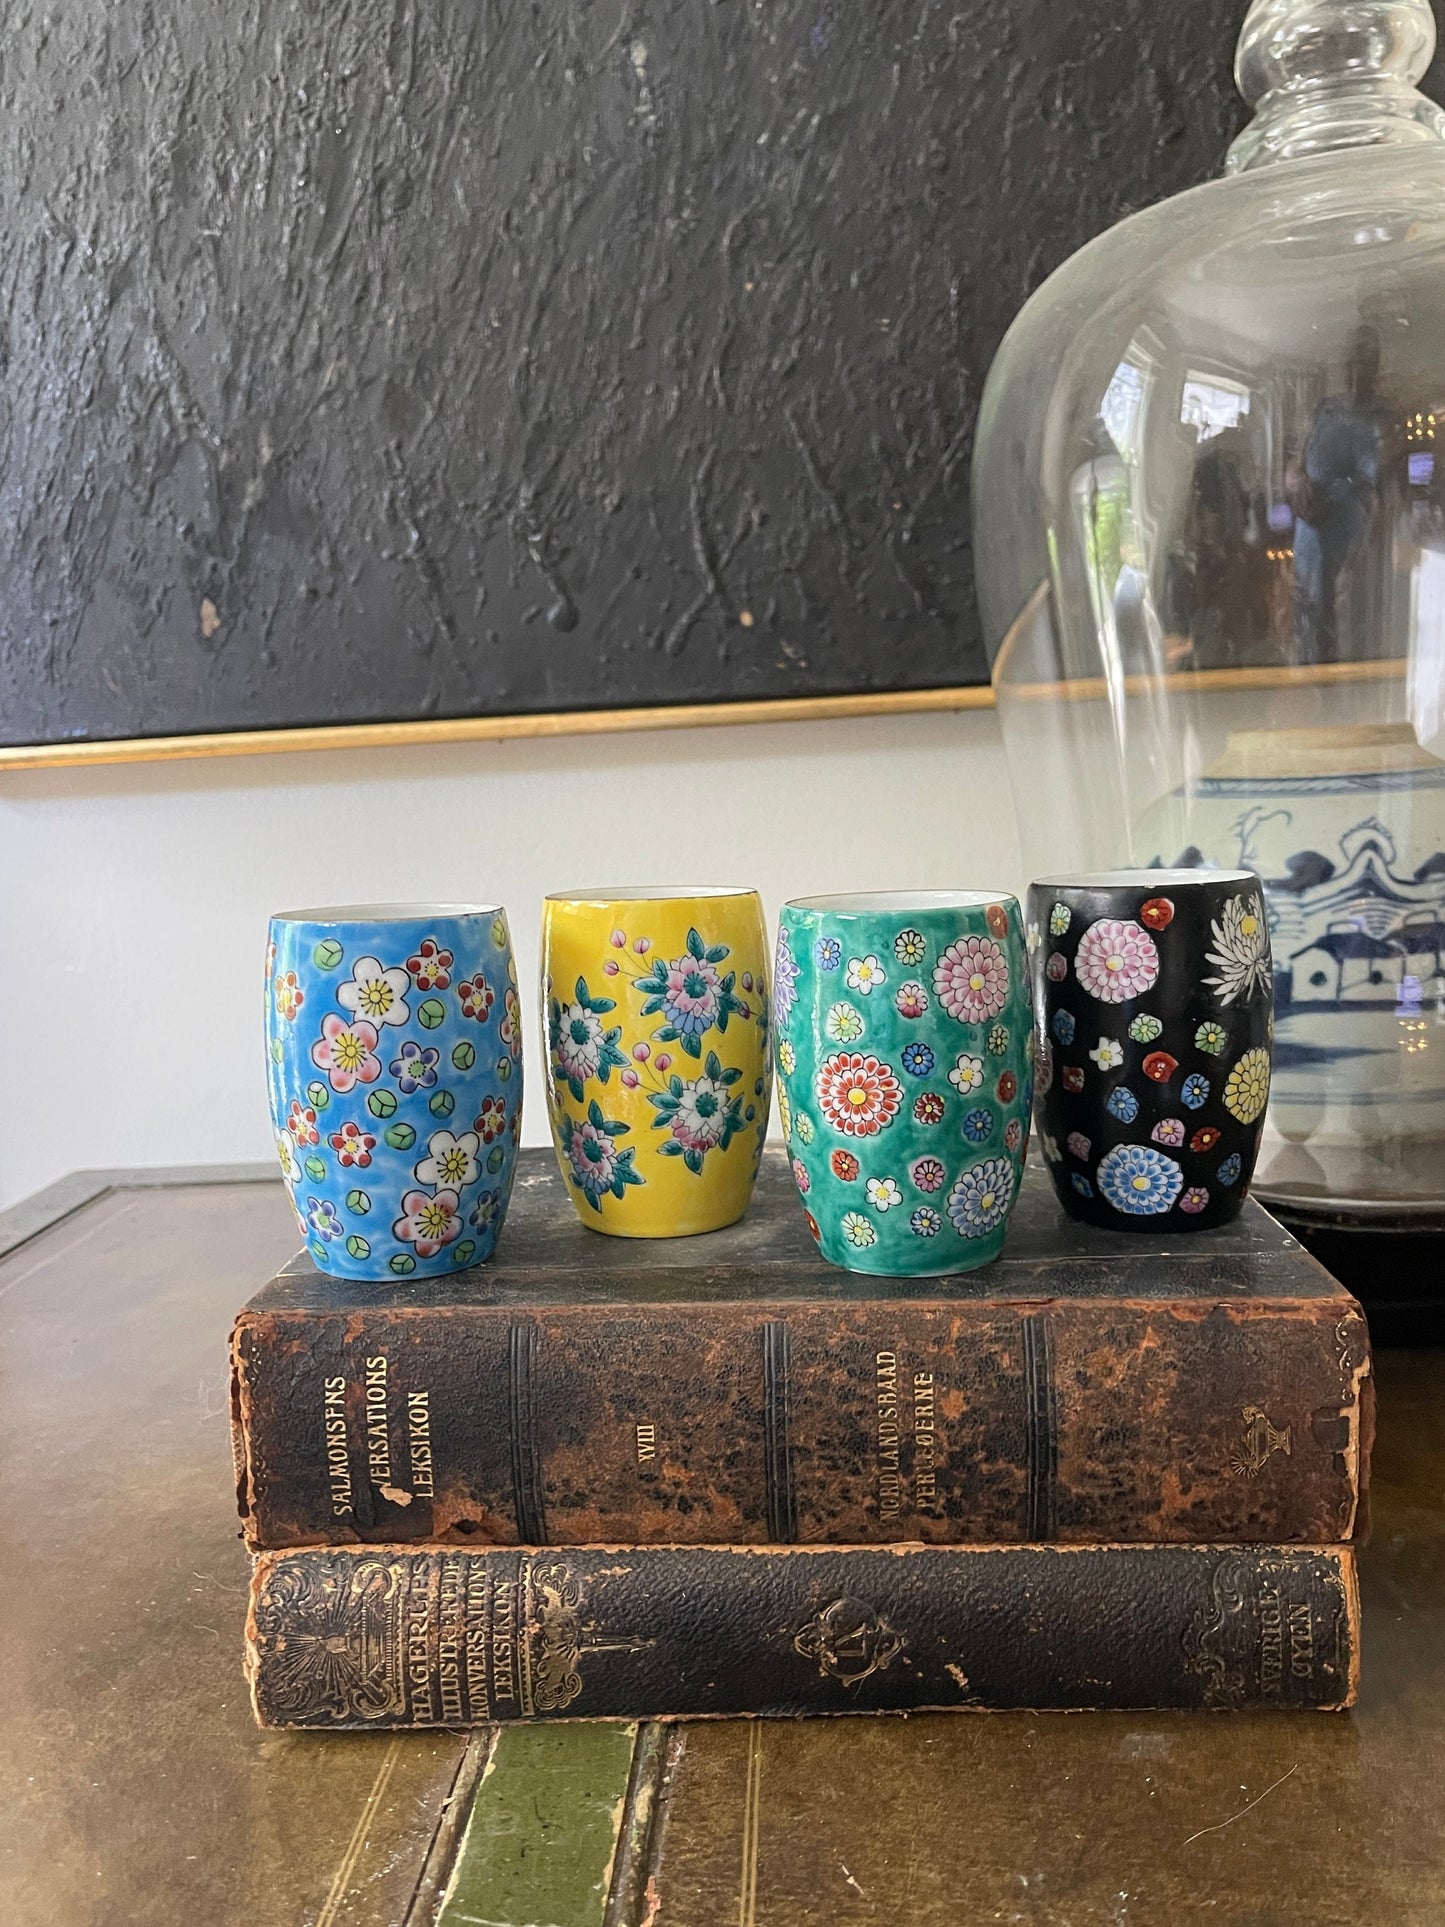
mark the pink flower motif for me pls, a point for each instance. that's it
(1169, 1130)
(1079, 1145)
(912, 1000)
(928, 1174)
(971, 979)
(428, 1222)
(1116, 960)
(346, 1052)
(1194, 1199)
(1057, 967)
(619, 940)
(610, 968)
(642, 945)
(663, 1061)
(801, 1178)
(642, 1052)
(1013, 1136)
(631, 1080)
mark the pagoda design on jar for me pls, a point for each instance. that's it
(1210, 530)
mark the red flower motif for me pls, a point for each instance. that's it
(491, 1120)
(929, 1108)
(431, 966)
(1072, 1077)
(1007, 1088)
(302, 1123)
(860, 1095)
(813, 1227)
(996, 918)
(1013, 1137)
(477, 998)
(1157, 913)
(289, 996)
(352, 1145)
(1160, 1066)
(845, 1166)
(1204, 1139)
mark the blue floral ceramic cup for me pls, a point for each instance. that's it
(903, 1046)
(394, 1065)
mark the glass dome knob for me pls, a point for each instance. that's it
(1326, 74)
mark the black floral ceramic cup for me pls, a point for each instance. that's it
(1154, 1009)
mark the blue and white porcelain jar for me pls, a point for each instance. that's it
(394, 1064)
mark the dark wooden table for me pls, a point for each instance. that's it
(136, 1789)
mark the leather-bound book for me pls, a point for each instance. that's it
(399, 1636)
(735, 1389)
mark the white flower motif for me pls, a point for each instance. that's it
(1108, 1054)
(1242, 953)
(1032, 938)
(882, 1193)
(858, 1230)
(967, 1074)
(1051, 1147)
(375, 994)
(451, 1162)
(579, 1044)
(865, 974)
(843, 1024)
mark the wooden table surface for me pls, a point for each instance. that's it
(135, 1788)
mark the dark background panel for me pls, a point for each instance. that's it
(409, 358)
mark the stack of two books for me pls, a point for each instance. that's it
(610, 1479)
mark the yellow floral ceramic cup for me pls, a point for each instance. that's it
(655, 1004)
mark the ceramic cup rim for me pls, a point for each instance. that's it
(1144, 880)
(898, 903)
(388, 912)
(653, 893)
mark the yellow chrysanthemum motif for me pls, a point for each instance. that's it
(785, 1114)
(1247, 1091)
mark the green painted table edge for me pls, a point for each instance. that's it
(550, 1823)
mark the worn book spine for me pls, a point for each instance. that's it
(1081, 1421)
(399, 1636)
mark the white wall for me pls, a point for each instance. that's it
(134, 899)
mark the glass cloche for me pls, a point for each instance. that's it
(1210, 529)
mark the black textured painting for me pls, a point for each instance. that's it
(399, 359)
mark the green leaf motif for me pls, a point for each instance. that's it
(382, 1103)
(442, 1104)
(357, 1246)
(400, 1137)
(358, 1202)
(318, 1096)
(463, 1056)
(465, 1252)
(496, 1158)
(315, 1168)
(317, 1250)
(276, 1050)
(432, 1013)
(327, 954)
(402, 1263)
(504, 1068)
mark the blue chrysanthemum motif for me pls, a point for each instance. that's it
(978, 1126)
(1063, 1026)
(1230, 1169)
(1138, 1180)
(1195, 1091)
(785, 981)
(1082, 1185)
(925, 1222)
(1123, 1104)
(917, 1059)
(828, 953)
(980, 1200)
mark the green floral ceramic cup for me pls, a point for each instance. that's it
(904, 1047)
